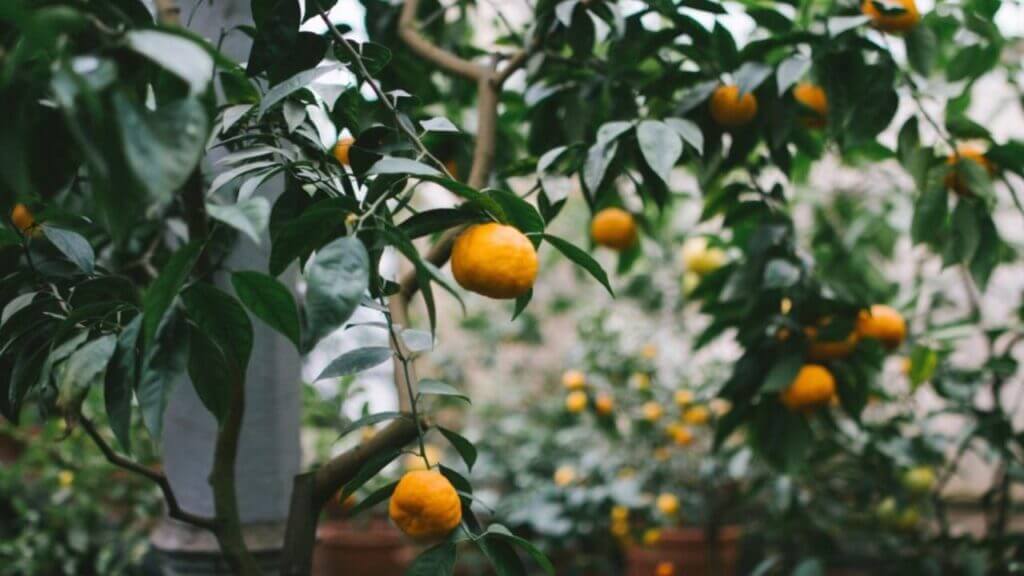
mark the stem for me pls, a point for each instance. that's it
(174, 510)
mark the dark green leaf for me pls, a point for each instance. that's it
(463, 446)
(177, 54)
(73, 246)
(121, 377)
(165, 289)
(436, 561)
(782, 373)
(270, 301)
(369, 420)
(336, 279)
(429, 386)
(660, 145)
(582, 259)
(355, 361)
(379, 495)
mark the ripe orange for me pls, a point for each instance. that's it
(425, 505)
(683, 397)
(892, 21)
(822, 350)
(652, 411)
(667, 503)
(573, 380)
(681, 435)
(341, 150)
(965, 152)
(22, 218)
(812, 97)
(731, 110)
(813, 387)
(613, 228)
(494, 260)
(651, 536)
(664, 569)
(697, 415)
(576, 401)
(564, 476)
(882, 323)
(604, 404)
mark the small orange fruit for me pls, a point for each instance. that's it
(619, 514)
(682, 435)
(965, 152)
(813, 387)
(341, 150)
(812, 97)
(651, 536)
(574, 380)
(667, 503)
(731, 110)
(495, 260)
(882, 323)
(652, 411)
(683, 397)
(22, 218)
(576, 401)
(891, 21)
(613, 228)
(697, 415)
(701, 259)
(425, 505)
(822, 350)
(604, 404)
(664, 569)
(564, 476)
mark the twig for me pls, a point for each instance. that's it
(408, 30)
(174, 510)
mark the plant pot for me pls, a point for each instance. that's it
(688, 550)
(344, 548)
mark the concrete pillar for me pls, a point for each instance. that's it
(269, 453)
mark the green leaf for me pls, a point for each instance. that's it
(162, 146)
(791, 70)
(398, 165)
(964, 231)
(417, 340)
(782, 373)
(249, 216)
(923, 362)
(463, 446)
(930, 211)
(431, 387)
(122, 373)
(582, 259)
(921, 49)
(599, 157)
(436, 561)
(502, 533)
(990, 249)
(439, 219)
(661, 147)
(438, 124)
(297, 82)
(369, 469)
(688, 131)
(751, 75)
(73, 246)
(210, 372)
(520, 213)
(300, 236)
(376, 497)
(369, 420)
(221, 317)
(336, 279)
(176, 54)
(780, 273)
(270, 301)
(839, 24)
(164, 363)
(87, 364)
(355, 361)
(165, 289)
(976, 179)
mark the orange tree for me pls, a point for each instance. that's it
(112, 112)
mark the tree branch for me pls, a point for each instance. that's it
(174, 510)
(408, 30)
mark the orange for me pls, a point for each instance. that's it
(812, 97)
(664, 569)
(574, 380)
(823, 350)
(613, 228)
(965, 152)
(576, 401)
(619, 514)
(701, 259)
(813, 387)
(683, 397)
(681, 435)
(697, 415)
(894, 22)
(453, 168)
(667, 503)
(652, 411)
(341, 150)
(651, 536)
(604, 404)
(425, 505)
(882, 323)
(22, 218)
(731, 110)
(494, 260)
(565, 475)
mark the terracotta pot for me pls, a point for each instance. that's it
(10, 448)
(687, 550)
(344, 548)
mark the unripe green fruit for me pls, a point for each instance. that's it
(920, 480)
